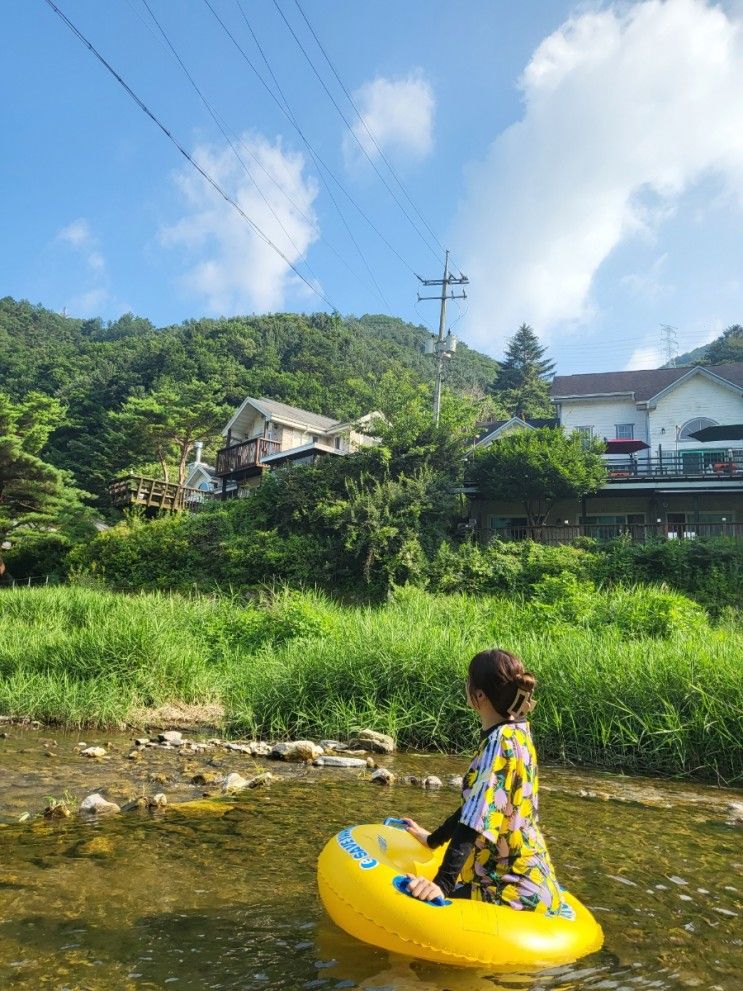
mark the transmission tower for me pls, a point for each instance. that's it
(442, 347)
(669, 343)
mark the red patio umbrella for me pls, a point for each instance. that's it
(625, 446)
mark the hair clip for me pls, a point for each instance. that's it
(521, 704)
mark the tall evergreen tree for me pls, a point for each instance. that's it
(522, 384)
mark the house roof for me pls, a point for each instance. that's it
(485, 429)
(643, 384)
(273, 410)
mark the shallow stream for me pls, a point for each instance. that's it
(221, 895)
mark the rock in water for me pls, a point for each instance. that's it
(96, 804)
(94, 752)
(207, 778)
(455, 781)
(432, 782)
(57, 811)
(382, 777)
(234, 783)
(368, 739)
(265, 778)
(296, 751)
(171, 736)
(158, 801)
(260, 749)
(333, 745)
(339, 762)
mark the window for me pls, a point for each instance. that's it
(625, 431)
(586, 435)
(337, 443)
(691, 426)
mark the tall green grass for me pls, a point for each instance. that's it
(632, 679)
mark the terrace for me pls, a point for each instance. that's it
(245, 456)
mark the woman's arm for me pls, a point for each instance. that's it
(460, 847)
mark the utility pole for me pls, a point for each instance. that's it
(445, 345)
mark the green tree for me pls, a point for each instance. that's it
(34, 495)
(522, 384)
(163, 424)
(538, 468)
(727, 348)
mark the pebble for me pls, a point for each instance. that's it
(735, 812)
(412, 779)
(382, 777)
(135, 755)
(432, 782)
(339, 762)
(235, 782)
(96, 804)
(141, 741)
(455, 781)
(158, 801)
(58, 811)
(207, 778)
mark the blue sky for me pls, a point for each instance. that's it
(584, 163)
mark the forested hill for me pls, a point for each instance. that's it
(340, 366)
(726, 348)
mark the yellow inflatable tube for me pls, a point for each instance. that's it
(360, 875)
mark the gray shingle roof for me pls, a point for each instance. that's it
(281, 410)
(644, 384)
(483, 429)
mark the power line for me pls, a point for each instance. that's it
(351, 131)
(171, 137)
(362, 120)
(289, 113)
(217, 120)
(292, 120)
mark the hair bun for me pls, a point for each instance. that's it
(526, 681)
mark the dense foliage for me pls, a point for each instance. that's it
(537, 469)
(338, 366)
(522, 386)
(726, 348)
(631, 679)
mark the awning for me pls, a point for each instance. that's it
(733, 431)
(625, 446)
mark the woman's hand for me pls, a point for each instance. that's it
(417, 831)
(423, 889)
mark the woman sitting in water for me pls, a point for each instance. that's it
(496, 850)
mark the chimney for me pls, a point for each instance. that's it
(197, 448)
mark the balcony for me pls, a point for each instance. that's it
(154, 493)
(707, 466)
(245, 455)
(638, 533)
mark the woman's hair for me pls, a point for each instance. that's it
(501, 676)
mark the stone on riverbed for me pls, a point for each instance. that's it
(96, 804)
(382, 777)
(339, 762)
(296, 751)
(158, 801)
(333, 745)
(735, 813)
(260, 749)
(412, 779)
(368, 739)
(432, 782)
(239, 748)
(93, 752)
(455, 781)
(207, 778)
(235, 782)
(171, 736)
(58, 810)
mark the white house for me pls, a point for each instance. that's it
(265, 434)
(677, 482)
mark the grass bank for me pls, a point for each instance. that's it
(634, 679)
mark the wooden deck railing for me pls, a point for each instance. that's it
(246, 454)
(154, 493)
(636, 532)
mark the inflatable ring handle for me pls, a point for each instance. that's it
(396, 823)
(402, 884)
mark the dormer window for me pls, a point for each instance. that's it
(691, 427)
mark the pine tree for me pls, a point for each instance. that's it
(523, 381)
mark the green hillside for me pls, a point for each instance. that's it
(726, 348)
(340, 366)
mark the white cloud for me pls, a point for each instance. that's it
(399, 115)
(625, 108)
(230, 265)
(90, 303)
(77, 233)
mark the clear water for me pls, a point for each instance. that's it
(223, 896)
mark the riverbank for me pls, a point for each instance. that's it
(629, 679)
